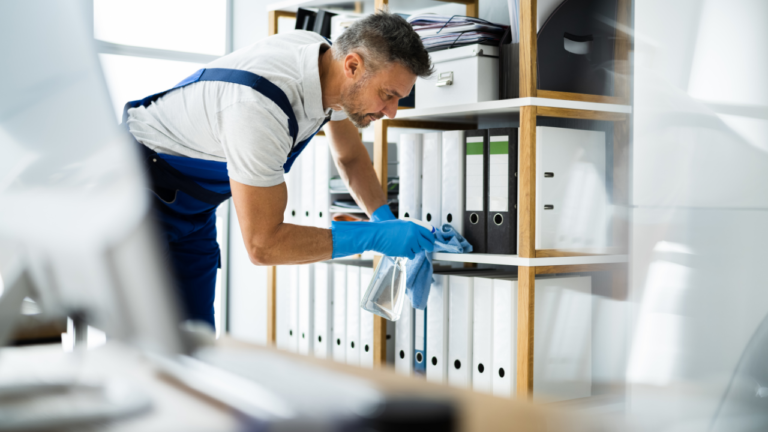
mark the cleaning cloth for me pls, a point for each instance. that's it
(419, 270)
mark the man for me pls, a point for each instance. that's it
(238, 125)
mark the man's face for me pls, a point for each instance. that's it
(375, 95)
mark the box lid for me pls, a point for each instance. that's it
(468, 51)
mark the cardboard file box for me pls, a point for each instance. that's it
(463, 75)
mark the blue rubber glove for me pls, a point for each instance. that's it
(393, 238)
(382, 214)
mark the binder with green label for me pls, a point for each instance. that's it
(502, 191)
(475, 187)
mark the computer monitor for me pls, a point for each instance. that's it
(75, 227)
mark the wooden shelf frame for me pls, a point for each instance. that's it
(533, 103)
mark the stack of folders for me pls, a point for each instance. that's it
(470, 334)
(318, 311)
(465, 179)
(309, 196)
(439, 32)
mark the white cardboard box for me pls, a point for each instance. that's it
(462, 75)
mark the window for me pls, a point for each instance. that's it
(148, 46)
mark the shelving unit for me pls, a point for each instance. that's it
(533, 103)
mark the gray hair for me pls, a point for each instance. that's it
(384, 38)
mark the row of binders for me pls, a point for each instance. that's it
(469, 179)
(309, 197)
(467, 335)
(319, 312)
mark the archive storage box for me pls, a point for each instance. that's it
(465, 75)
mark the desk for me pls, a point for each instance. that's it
(178, 409)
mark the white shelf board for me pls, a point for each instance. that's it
(514, 260)
(338, 209)
(402, 6)
(500, 109)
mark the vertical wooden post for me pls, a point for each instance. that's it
(380, 152)
(271, 305)
(527, 201)
(527, 179)
(380, 155)
(272, 21)
(379, 332)
(473, 9)
(528, 53)
(526, 301)
(380, 5)
(358, 7)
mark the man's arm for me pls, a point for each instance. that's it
(268, 240)
(355, 165)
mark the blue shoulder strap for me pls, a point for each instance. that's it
(234, 76)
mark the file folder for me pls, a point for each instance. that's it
(453, 175)
(562, 355)
(420, 341)
(404, 340)
(437, 330)
(366, 322)
(282, 308)
(411, 151)
(502, 191)
(563, 334)
(572, 204)
(292, 214)
(475, 185)
(460, 318)
(482, 338)
(340, 313)
(505, 337)
(431, 179)
(306, 308)
(325, 169)
(293, 308)
(307, 185)
(390, 343)
(323, 328)
(353, 315)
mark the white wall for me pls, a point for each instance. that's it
(700, 214)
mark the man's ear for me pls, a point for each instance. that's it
(353, 66)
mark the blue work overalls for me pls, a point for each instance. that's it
(187, 191)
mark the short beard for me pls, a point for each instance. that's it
(353, 109)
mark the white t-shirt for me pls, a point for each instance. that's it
(236, 124)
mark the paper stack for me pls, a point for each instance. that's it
(439, 32)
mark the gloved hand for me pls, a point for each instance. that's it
(382, 214)
(393, 238)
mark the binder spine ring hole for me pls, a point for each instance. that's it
(406, 214)
(457, 364)
(434, 361)
(501, 372)
(352, 344)
(419, 357)
(320, 214)
(429, 217)
(293, 213)
(290, 332)
(338, 342)
(302, 335)
(449, 218)
(474, 218)
(319, 338)
(402, 354)
(498, 219)
(366, 347)
(480, 368)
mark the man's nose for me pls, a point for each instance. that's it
(390, 108)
